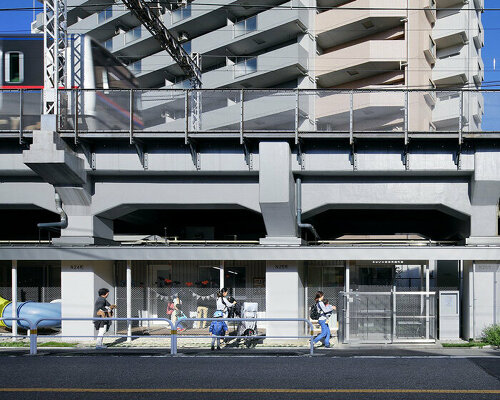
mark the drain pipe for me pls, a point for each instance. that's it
(64, 218)
(299, 211)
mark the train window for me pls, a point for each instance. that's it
(14, 67)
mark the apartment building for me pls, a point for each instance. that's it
(360, 44)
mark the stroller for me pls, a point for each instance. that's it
(248, 328)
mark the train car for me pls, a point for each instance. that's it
(98, 72)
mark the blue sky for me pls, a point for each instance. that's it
(19, 22)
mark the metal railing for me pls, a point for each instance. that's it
(293, 113)
(173, 334)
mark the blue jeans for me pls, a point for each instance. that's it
(325, 333)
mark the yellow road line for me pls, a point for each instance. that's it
(248, 390)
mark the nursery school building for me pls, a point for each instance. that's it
(378, 300)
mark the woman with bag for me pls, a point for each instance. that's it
(223, 304)
(324, 313)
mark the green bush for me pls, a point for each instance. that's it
(491, 335)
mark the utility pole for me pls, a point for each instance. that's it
(55, 41)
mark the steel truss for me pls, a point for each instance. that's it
(55, 40)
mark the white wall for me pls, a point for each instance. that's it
(481, 298)
(80, 281)
(284, 297)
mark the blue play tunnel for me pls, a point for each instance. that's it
(33, 312)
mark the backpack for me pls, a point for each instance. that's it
(314, 312)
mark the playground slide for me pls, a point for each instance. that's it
(31, 311)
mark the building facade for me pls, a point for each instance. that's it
(395, 176)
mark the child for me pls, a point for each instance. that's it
(217, 329)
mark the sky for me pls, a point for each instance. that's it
(19, 22)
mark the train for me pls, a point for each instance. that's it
(97, 73)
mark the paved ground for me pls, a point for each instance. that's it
(382, 372)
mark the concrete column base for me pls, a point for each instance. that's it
(281, 240)
(483, 240)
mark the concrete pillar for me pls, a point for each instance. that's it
(129, 300)
(80, 282)
(485, 194)
(277, 193)
(347, 289)
(285, 297)
(14, 298)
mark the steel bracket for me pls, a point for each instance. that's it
(247, 148)
(353, 157)
(88, 152)
(458, 157)
(195, 155)
(301, 155)
(406, 157)
(142, 152)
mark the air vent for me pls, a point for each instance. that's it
(352, 72)
(259, 41)
(368, 24)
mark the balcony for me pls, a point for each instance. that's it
(271, 29)
(221, 111)
(478, 72)
(451, 28)
(102, 25)
(267, 70)
(371, 111)
(446, 113)
(451, 70)
(359, 61)
(338, 26)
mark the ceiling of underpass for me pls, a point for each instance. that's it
(434, 224)
(21, 224)
(212, 224)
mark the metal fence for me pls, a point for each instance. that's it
(44, 294)
(172, 332)
(246, 111)
(152, 302)
(387, 317)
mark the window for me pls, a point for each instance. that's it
(181, 13)
(108, 44)
(209, 276)
(244, 66)
(187, 47)
(136, 67)
(245, 26)
(14, 67)
(104, 15)
(133, 34)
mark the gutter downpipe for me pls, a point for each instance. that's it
(64, 218)
(299, 211)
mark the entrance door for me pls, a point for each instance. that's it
(160, 291)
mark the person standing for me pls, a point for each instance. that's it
(324, 312)
(223, 304)
(102, 309)
(217, 330)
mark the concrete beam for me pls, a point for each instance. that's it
(416, 254)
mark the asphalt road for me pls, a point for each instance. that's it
(154, 375)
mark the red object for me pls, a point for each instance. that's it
(168, 280)
(189, 284)
(204, 282)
